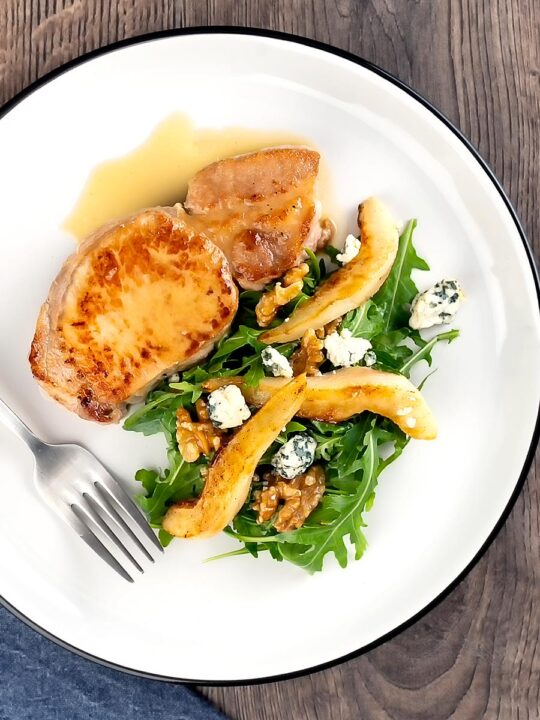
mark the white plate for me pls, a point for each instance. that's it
(436, 508)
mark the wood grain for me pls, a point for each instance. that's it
(477, 655)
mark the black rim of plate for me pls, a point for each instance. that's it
(258, 32)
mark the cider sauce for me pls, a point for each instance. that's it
(158, 171)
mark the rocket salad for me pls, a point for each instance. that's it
(352, 452)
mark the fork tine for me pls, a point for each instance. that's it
(126, 506)
(93, 542)
(115, 517)
(93, 509)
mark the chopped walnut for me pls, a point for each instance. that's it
(295, 274)
(328, 231)
(299, 497)
(282, 293)
(309, 356)
(265, 502)
(202, 411)
(196, 438)
(332, 326)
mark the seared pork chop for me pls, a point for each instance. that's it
(138, 299)
(260, 209)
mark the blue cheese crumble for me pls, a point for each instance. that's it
(227, 407)
(295, 456)
(370, 358)
(344, 350)
(351, 248)
(436, 306)
(275, 363)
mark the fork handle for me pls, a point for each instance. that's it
(14, 423)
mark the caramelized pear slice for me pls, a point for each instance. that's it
(350, 286)
(230, 475)
(337, 396)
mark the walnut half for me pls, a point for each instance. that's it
(299, 497)
(282, 293)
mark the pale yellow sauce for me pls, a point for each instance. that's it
(158, 171)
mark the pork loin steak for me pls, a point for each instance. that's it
(139, 299)
(260, 209)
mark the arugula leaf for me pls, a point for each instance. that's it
(148, 479)
(196, 375)
(393, 348)
(250, 298)
(180, 482)
(367, 321)
(332, 253)
(244, 336)
(294, 427)
(186, 388)
(313, 262)
(317, 273)
(329, 438)
(348, 460)
(400, 350)
(286, 349)
(165, 538)
(394, 441)
(255, 373)
(232, 553)
(246, 308)
(399, 289)
(424, 352)
(148, 419)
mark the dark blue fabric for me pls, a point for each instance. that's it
(41, 681)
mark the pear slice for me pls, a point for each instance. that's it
(337, 396)
(350, 286)
(229, 476)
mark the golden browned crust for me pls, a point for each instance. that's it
(138, 299)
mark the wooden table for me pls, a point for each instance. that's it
(477, 655)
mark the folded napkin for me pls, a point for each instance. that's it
(41, 681)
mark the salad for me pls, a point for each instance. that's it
(303, 492)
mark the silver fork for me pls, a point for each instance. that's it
(77, 486)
